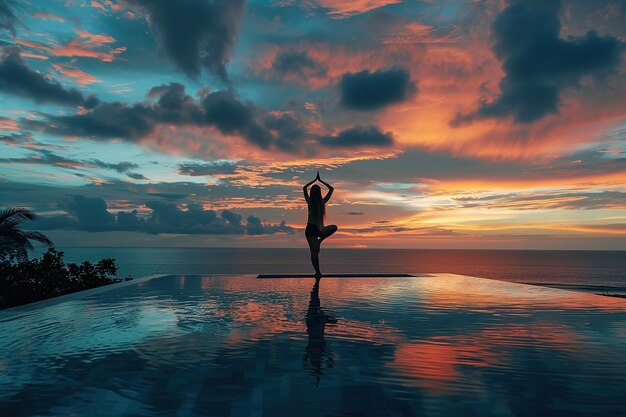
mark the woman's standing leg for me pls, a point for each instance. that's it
(314, 246)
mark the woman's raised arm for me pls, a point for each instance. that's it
(330, 188)
(306, 194)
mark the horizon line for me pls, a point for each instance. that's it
(342, 248)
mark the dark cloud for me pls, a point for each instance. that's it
(222, 110)
(195, 169)
(358, 136)
(16, 78)
(266, 129)
(233, 219)
(365, 91)
(232, 116)
(105, 121)
(538, 64)
(169, 104)
(136, 176)
(173, 105)
(254, 226)
(168, 218)
(183, 193)
(289, 130)
(19, 139)
(297, 64)
(128, 221)
(91, 214)
(13, 137)
(44, 156)
(7, 16)
(110, 120)
(355, 213)
(196, 34)
(169, 196)
(121, 167)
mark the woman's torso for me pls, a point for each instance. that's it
(314, 219)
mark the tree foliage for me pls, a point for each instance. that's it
(25, 281)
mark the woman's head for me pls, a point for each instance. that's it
(316, 192)
(317, 203)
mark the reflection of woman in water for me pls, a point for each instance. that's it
(315, 231)
(317, 354)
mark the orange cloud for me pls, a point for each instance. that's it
(414, 32)
(611, 229)
(341, 9)
(571, 180)
(453, 74)
(277, 202)
(454, 77)
(72, 164)
(85, 45)
(8, 124)
(47, 15)
(95, 40)
(94, 180)
(32, 44)
(31, 55)
(75, 48)
(80, 76)
(97, 5)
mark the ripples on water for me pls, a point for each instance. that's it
(227, 346)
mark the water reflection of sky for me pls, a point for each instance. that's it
(441, 345)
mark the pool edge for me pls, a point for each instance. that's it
(27, 308)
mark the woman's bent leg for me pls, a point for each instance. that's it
(327, 232)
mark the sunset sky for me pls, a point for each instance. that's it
(441, 124)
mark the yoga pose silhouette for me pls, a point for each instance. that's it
(315, 231)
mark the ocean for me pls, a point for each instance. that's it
(591, 271)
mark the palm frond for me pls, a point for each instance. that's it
(8, 225)
(15, 240)
(19, 240)
(37, 236)
(17, 212)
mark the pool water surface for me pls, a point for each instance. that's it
(439, 345)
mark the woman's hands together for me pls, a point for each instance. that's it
(317, 178)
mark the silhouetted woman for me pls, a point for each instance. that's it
(315, 231)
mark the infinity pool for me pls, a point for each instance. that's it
(440, 345)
